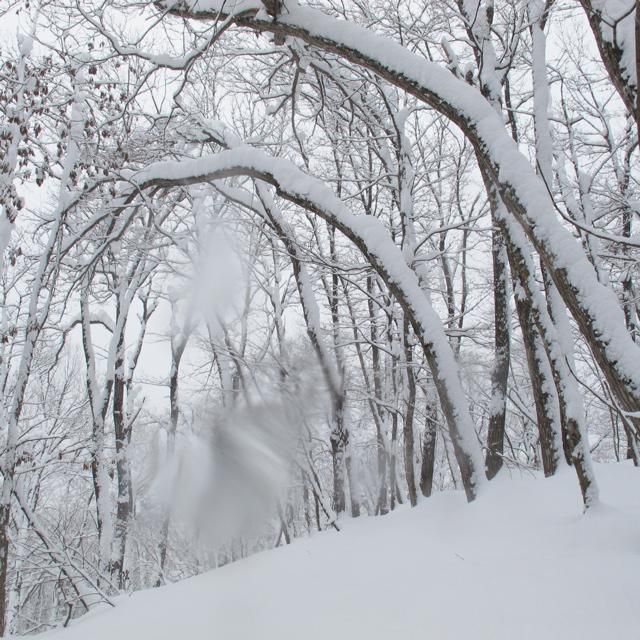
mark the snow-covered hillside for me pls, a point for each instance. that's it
(521, 562)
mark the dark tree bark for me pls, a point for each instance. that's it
(407, 432)
(123, 472)
(428, 450)
(546, 402)
(502, 350)
(547, 408)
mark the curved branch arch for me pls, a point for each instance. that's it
(373, 240)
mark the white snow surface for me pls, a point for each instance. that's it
(520, 562)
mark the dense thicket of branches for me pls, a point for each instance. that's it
(392, 243)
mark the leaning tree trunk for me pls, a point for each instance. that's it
(570, 400)
(543, 388)
(548, 412)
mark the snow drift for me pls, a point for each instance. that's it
(521, 562)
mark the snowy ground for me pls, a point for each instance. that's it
(521, 562)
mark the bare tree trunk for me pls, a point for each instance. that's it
(542, 385)
(570, 400)
(98, 403)
(123, 419)
(548, 411)
(382, 507)
(339, 443)
(340, 433)
(353, 486)
(631, 427)
(123, 472)
(407, 432)
(502, 348)
(178, 345)
(428, 448)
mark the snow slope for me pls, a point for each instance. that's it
(521, 562)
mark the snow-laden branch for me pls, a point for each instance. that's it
(594, 306)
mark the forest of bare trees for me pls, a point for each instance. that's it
(319, 258)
